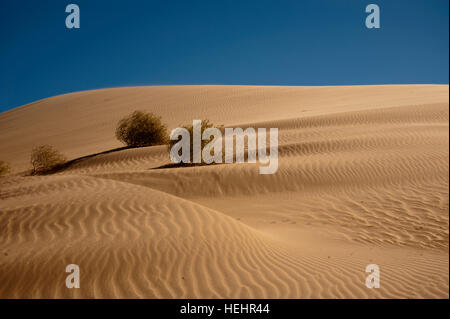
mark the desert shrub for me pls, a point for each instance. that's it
(45, 158)
(5, 168)
(204, 125)
(141, 129)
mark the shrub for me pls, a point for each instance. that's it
(45, 158)
(141, 129)
(204, 125)
(5, 168)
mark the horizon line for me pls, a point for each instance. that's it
(175, 85)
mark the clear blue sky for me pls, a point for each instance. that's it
(260, 42)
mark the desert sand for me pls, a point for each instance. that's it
(362, 179)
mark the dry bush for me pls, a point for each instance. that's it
(204, 125)
(45, 158)
(141, 129)
(5, 168)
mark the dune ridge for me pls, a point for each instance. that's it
(362, 178)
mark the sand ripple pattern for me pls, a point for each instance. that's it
(363, 178)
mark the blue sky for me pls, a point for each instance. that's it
(259, 42)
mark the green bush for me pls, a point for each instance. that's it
(45, 158)
(141, 129)
(5, 168)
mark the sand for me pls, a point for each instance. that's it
(362, 179)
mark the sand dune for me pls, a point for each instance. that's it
(362, 179)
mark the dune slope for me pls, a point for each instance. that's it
(362, 179)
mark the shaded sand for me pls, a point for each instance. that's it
(362, 179)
